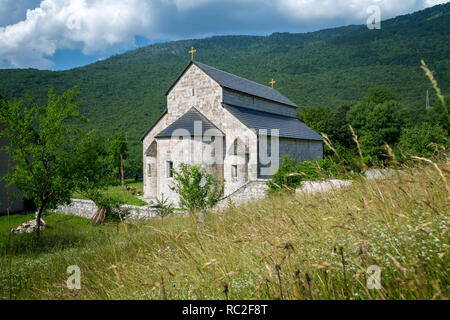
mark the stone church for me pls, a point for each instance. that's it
(236, 128)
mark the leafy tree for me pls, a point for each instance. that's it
(377, 95)
(438, 115)
(134, 166)
(418, 141)
(52, 156)
(118, 150)
(377, 120)
(317, 118)
(338, 126)
(198, 190)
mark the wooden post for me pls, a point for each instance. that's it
(121, 177)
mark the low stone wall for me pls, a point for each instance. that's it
(251, 191)
(312, 187)
(87, 208)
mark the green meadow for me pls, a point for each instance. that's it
(291, 246)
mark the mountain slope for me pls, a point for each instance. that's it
(326, 67)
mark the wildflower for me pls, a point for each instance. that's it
(173, 250)
(167, 247)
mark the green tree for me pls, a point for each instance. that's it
(377, 120)
(198, 190)
(418, 141)
(381, 94)
(164, 207)
(438, 115)
(339, 131)
(52, 156)
(118, 151)
(317, 118)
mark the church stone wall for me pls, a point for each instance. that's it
(255, 103)
(302, 150)
(149, 190)
(188, 150)
(196, 89)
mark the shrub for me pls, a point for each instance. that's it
(163, 207)
(198, 190)
(110, 206)
(292, 173)
(421, 140)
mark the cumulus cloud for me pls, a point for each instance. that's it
(31, 31)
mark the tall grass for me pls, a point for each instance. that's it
(283, 247)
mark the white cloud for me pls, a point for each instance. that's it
(349, 10)
(13, 11)
(98, 26)
(92, 26)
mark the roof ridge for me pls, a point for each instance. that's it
(237, 83)
(267, 88)
(234, 75)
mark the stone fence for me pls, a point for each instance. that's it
(251, 191)
(87, 208)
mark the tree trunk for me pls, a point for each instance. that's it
(38, 221)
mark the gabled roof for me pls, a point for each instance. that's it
(288, 127)
(187, 122)
(233, 82)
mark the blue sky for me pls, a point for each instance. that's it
(63, 34)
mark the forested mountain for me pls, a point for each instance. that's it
(323, 68)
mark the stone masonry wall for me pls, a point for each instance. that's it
(87, 208)
(251, 191)
(196, 89)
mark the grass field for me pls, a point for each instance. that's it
(116, 192)
(283, 247)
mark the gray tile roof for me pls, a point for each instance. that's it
(236, 83)
(288, 127)
(187, 122)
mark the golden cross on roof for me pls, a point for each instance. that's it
(272, 82)
(192, 51)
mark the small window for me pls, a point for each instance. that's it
(235, 147)
(234, 171)
(149, 170)
(193, 92)
(169, 169)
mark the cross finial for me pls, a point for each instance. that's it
(272, 82)
(192, 51)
